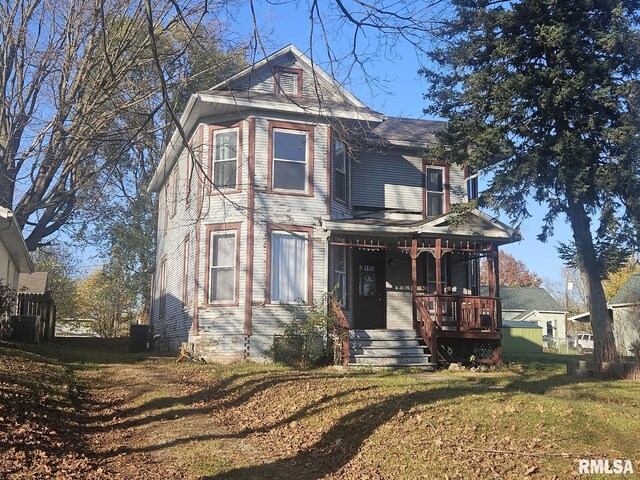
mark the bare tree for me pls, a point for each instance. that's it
(76, 92)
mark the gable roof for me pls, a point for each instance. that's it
(629, 293)
(11, 238)
(527, 299)
(302, 58)
(476, 224)
(36, 282)
(222, 99)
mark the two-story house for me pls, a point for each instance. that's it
(291, 187)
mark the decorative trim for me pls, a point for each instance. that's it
(291, 229)
(329, 167)
(196, 273)
(210, 138)
(300, 127)
(185, 269)
(222, 227)
(248, 293)
(276, 80)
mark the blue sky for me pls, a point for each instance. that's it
(399, 93)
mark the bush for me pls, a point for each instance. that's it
(307, 339)
(7, 302)
(635, 348)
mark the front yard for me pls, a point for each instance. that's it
(92, 410)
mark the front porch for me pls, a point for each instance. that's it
(421, 282)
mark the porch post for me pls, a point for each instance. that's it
(438, 266)
(439, 292)
(491, 272)
(414, 280)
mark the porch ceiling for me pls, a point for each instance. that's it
(476, 226)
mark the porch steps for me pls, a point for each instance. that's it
(388, 348)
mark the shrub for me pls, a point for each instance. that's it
(307, 339)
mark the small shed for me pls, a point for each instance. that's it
(521, 337)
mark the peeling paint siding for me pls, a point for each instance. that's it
(388, 181)
(458, 185)
(396, 182)
(177, 321)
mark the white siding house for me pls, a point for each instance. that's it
(290, 187)
(14, 257)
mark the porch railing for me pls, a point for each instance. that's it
(461, 313)
(342, 330)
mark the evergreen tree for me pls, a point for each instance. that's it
(546, 93)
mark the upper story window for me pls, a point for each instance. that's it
(225, 158)
(340, 176)
(174, 191)
(434, 190)
(472, 186)
(288, 81)
(291, 152)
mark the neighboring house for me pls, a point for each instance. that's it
(625, 306)
(299, 188)
(534, 304)
(14, 256)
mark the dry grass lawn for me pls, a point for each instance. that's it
(121, 415)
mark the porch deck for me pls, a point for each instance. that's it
(457, 328)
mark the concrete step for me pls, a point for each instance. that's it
(368, 342)
(380, 351)
(383, 334)
(392, 361)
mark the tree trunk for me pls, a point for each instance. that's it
(604, 343)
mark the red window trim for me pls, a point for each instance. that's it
(344, 202)
(301, 127)
(185, 268)
(211, 137)
(290, 229)
(162, 300)
(276, 80)
(166, 207)
(222, 227)
(446, 186)
(173, 181)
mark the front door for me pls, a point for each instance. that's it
(369, 290)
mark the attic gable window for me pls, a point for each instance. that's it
(288, 81)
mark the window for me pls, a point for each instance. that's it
(472, 186)
(185, 269)
(222, 266)
(162, 304)
(288, 267)
(288, 81)
(225, 158)
(340, 274)
(435, 190)
(290, 159)
(340, 178)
